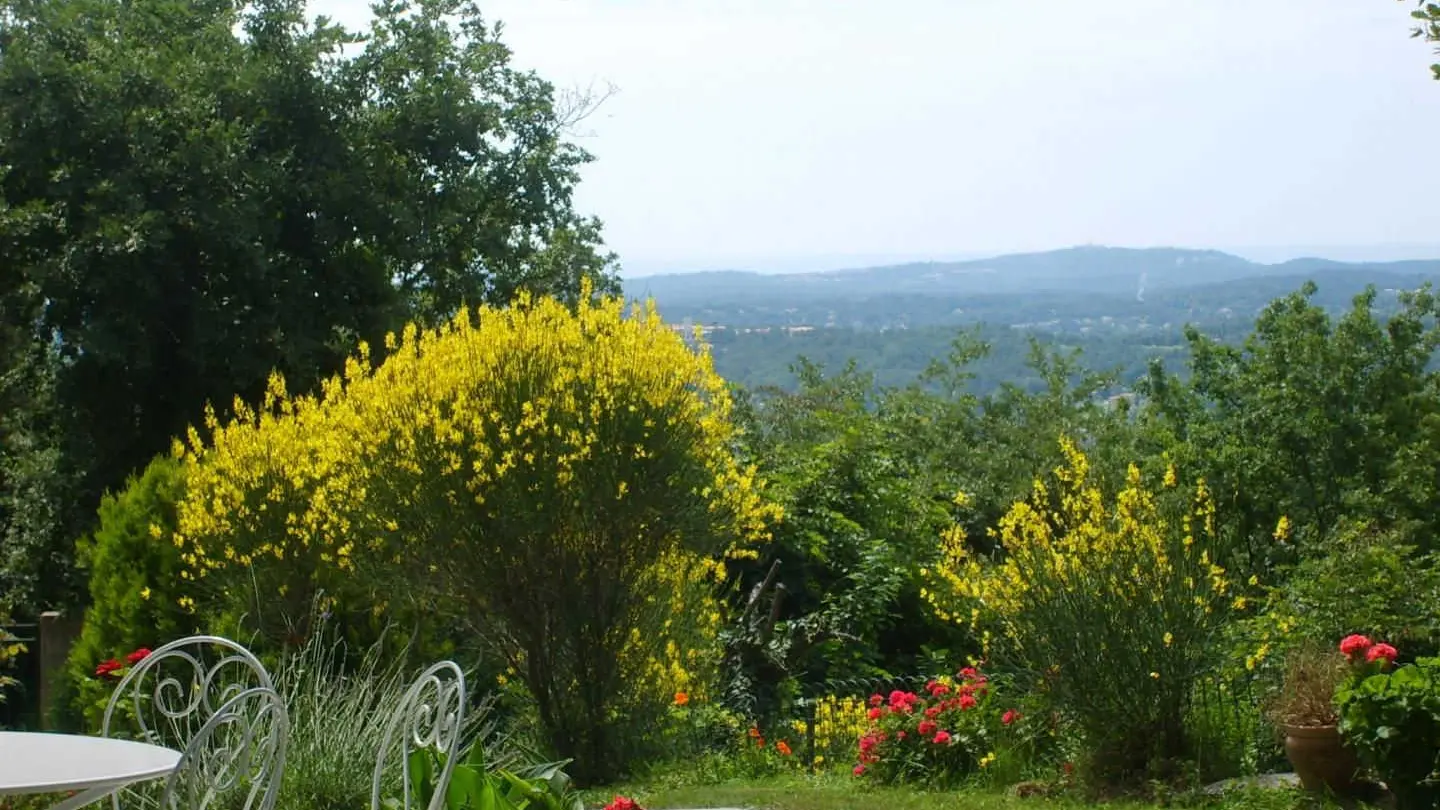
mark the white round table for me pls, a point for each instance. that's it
(94, 767)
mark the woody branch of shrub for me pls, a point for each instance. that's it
(1109, 605)
(558, 479)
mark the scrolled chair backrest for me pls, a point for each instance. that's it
(174, 693)
(170, 694)
(431, 715)
(239, 750)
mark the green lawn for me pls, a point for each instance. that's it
(795, 793)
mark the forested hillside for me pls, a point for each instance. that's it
(1120, 308)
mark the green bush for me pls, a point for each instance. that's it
(136, 587)
(1358, 580)
(1392, 720)
(836, 595)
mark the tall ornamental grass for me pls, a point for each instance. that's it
(338, 713)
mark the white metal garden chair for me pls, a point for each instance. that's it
(213, 700)
(240, 750)
(431, 715)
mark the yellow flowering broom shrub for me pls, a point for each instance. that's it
(558, 479)
(1110, 605)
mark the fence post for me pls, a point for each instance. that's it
(57, 633)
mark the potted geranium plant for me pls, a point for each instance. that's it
(1304, 710)
(1391, 716)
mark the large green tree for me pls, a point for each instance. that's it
(1315, 418)
(195, 192)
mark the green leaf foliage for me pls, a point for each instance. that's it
(1313, 418)
(1427, 16)
(1392, 720)
(135, 584)
(862, 516)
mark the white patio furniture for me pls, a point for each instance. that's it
(212, 699)
(430, 716)
(35, 763)
(241, 748)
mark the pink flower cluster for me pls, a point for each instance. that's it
(906, 723)
(1356, 648)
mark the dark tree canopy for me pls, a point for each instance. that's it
(196, 192)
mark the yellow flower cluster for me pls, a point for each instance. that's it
(681, 586)
(840, 722)
(501, 429)
(1066, 540)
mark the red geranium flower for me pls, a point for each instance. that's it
(967, 702)
(107, 668)
(876, 700)
(1381, 652)
(926, 728)
(1355, 646)
(874, 714)
(859, 770)
(942, 737)
(903, 701)
(1009, 717)
(138, 656)
(623, 803)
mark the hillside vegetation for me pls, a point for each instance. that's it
(1121, 307)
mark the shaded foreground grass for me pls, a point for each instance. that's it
(839, 793)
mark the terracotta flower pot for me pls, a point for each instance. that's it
(1321, 759)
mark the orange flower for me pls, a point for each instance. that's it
(754, 732)
(681, 699)
(783, 747)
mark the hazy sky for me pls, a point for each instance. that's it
(770, 133)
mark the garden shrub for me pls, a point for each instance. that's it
(949, 733)
(1111, 609)
(1360, 579)
(560, 480)
(842, 572)
(136, 592)
(1391, 718)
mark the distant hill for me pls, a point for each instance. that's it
(1013, 289)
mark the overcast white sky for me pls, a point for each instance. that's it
(773, 134)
